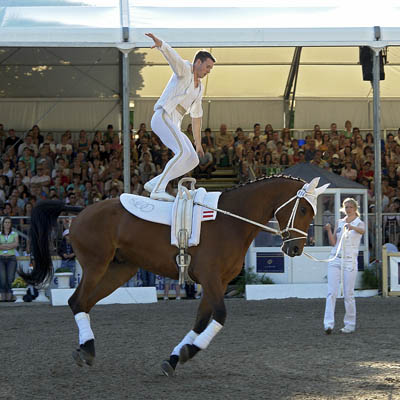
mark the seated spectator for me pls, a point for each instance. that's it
(49, 140)
(114, 181)
(189, 133)
(268, 168)
(333, 133)
(97, 184)
(44, 158)
(257, 133)
(76, 185)
(161, 161)
(386, 188)
(261, 151)
(67, 254)
(279, 150)
(42, 179)
(209, 141)
(12, 140)
(64, 148)
(206, 164)
(28, 144)
(96, 167)
(268, 131)
(318, 161)
(253, 164)
(366, 172)
(147, 168)
(348, 129)
(83, 143)
(284, 161)
(224, 142)
(348, 171)
(58, 188)
(318, 138)
(245, 174)
(310, 152)
(108, 134)
(336, 164)
(8, 171)
(116, 145)
(324, 146)
(136, 185)
(286, 138)
(98, 140)
(114, 192)
(28, 159)
(271, 144)
(94, 152)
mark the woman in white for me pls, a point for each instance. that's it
(352, 228)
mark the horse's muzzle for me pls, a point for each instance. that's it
(292, 249)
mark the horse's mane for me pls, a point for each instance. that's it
(263, 178)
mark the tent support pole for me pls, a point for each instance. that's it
(124, 61)
(377, 172)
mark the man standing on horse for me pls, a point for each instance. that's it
(182, 95)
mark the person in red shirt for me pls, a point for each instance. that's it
(366, 172)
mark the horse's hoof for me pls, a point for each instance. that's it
(77, 358)
(82, 357)
(167, 368)
(187, 352)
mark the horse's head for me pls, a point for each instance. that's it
(295, 216)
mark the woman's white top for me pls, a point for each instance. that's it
(351, 240)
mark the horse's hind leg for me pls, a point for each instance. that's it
(95, 266)
(203, 316)
(114, 277)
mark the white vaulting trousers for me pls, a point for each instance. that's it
(349, 279)
(185, 157)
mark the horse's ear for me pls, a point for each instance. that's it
(313, 184)
(321, 189)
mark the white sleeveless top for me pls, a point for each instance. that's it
(351, 240)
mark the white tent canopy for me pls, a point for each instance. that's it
(60, 63)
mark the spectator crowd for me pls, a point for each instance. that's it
(36, 166)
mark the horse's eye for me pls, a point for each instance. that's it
(303, 210)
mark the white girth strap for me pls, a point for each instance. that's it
(184, 209)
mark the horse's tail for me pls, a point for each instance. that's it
(43, 219)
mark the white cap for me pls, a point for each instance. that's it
(66, 232)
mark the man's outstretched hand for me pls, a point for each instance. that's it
(157, 41)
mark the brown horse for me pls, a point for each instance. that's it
(111, 244)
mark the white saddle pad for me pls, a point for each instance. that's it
(161, 212)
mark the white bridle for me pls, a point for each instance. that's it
(290, 224)
(309, 192)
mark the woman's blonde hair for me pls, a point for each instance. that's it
(353, 202)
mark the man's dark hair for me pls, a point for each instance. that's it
(202, 55)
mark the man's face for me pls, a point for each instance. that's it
(203, 68)
(222, 128)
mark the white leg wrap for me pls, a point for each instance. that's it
(188, 339)
(85, 331)
(203, 340)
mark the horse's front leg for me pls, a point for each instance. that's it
(213, 294)
(203, 316)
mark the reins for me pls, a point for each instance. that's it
(289, 227)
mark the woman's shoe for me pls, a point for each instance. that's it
(347, 330)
